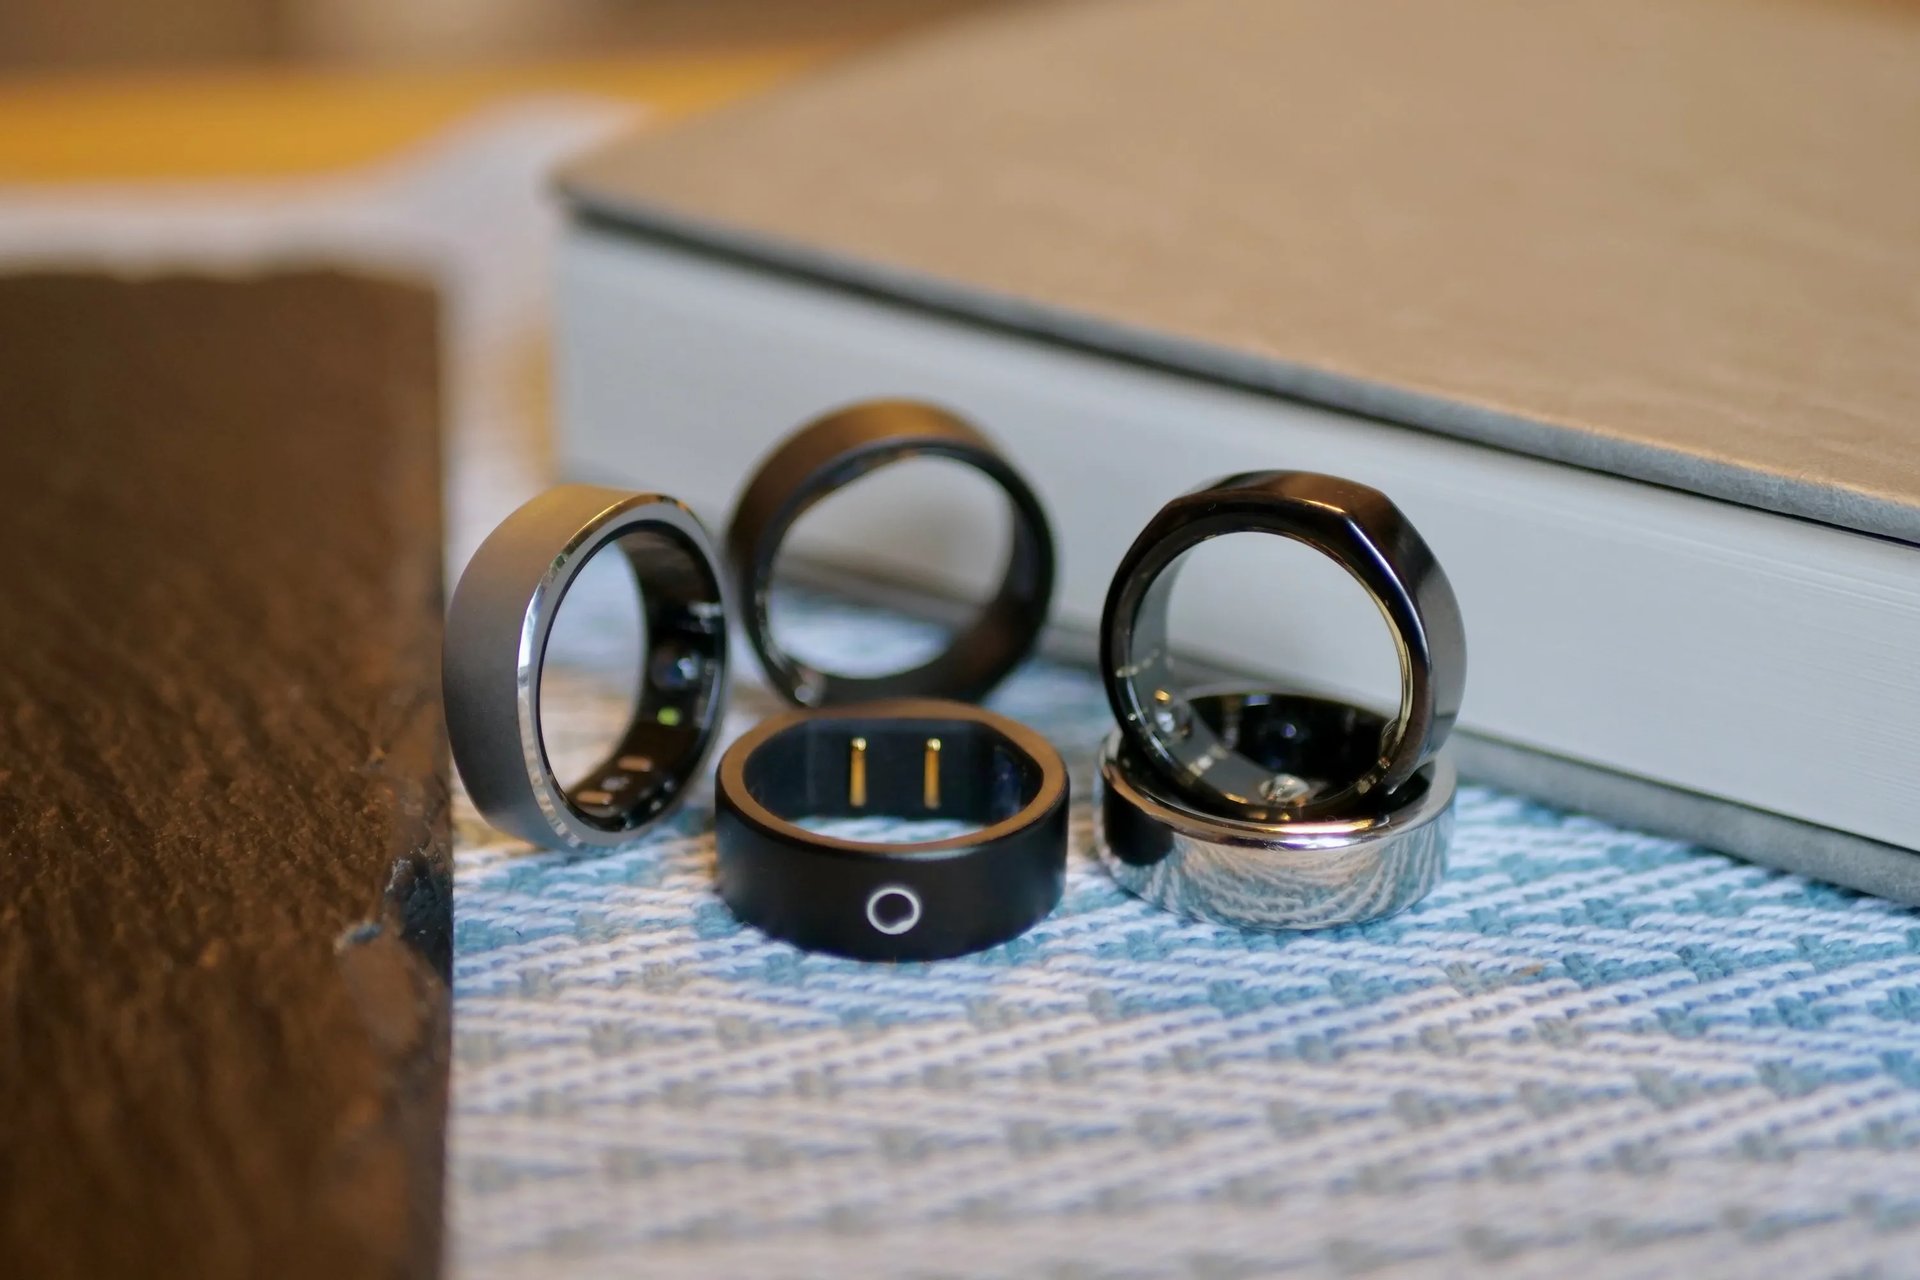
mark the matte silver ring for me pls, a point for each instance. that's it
(1361, 531)
(496, 644)
(1296, 874)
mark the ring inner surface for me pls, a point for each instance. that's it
(681, 667)
(855, 766)
(1319, 743)
(976, 646)
(1215, 760)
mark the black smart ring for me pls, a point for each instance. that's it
(1364, 533)
(496, 643)
(909, 758)
(829, 454)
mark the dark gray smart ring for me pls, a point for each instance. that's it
(910, 759)
(1360, 530)
(496, 644)
(832, 452)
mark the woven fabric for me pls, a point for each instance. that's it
(1588, 1052)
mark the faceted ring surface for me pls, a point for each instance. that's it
(1363, 532)
(916, 758)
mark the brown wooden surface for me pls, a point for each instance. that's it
(224, 888)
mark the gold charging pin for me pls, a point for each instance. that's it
(857, 774)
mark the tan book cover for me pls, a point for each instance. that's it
(1662, 255)
(1675, 240)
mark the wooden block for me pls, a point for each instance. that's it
(225, 896)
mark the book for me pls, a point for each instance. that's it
(1615, 299)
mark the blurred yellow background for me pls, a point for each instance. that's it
(131, 89)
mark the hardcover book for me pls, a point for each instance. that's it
(1618, 299)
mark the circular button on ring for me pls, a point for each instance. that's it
(893, 909)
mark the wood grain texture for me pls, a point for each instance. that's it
(224, 882)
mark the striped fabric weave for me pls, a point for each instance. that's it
(1589, 1052)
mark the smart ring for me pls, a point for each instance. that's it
(832, 452)
(496, 642)
(1363, 532)
(909, 759)
(1299, 874)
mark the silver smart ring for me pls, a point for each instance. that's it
(1235, 870)
(496, 643)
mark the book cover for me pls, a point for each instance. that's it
(1672, 247)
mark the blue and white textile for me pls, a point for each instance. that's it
(1590, 1052)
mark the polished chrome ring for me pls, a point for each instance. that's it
(496, 643)
(1364, 533)
(1295, 874)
